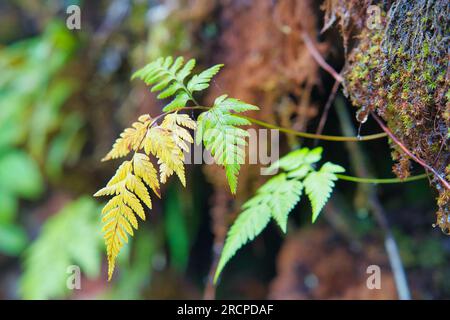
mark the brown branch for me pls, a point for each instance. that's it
(326, 109)
(409, 153)
(318, 57)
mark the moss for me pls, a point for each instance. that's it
(401, 72)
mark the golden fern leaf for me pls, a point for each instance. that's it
(145, 170)
(129, 184)
(175, 122)
(130, 138)
(160, 142)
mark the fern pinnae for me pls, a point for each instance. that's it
(218, 129)
(168, 76)
(130, 139)
(247, 226)
(119, 213)
(201, 81)
(319, 186)
(279, 195)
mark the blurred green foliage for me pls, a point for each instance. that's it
(136, 268)
(34, 130)
(176, 227)
(70, 237)
(19, 178)
(32, 94)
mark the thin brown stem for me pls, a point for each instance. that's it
(409, 153)
(318, 57)
(326, 109)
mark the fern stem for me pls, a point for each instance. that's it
(315, 136)
(381, 181)
(291, 131)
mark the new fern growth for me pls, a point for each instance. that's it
(277, 197)
(165, 138)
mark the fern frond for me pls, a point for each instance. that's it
(130, 139)
(168, 76)
(247, 226)
(219, 131)
(145, 170)
(319, 185)
(277, 197)
(129, 184)
(298, 158)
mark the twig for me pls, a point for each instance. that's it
(318, 57)
(326, 109)
(391, 248)
(409, 153)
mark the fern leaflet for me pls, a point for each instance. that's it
(169, 77)
(219, 131)
(319, 185)
(130, 139)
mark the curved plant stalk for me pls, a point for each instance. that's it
(381, 181)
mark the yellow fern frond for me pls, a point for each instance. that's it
(130, 138)
(129, 184)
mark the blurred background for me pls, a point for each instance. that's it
(65, 96)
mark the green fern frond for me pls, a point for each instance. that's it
(277, 197)
(219, 130)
